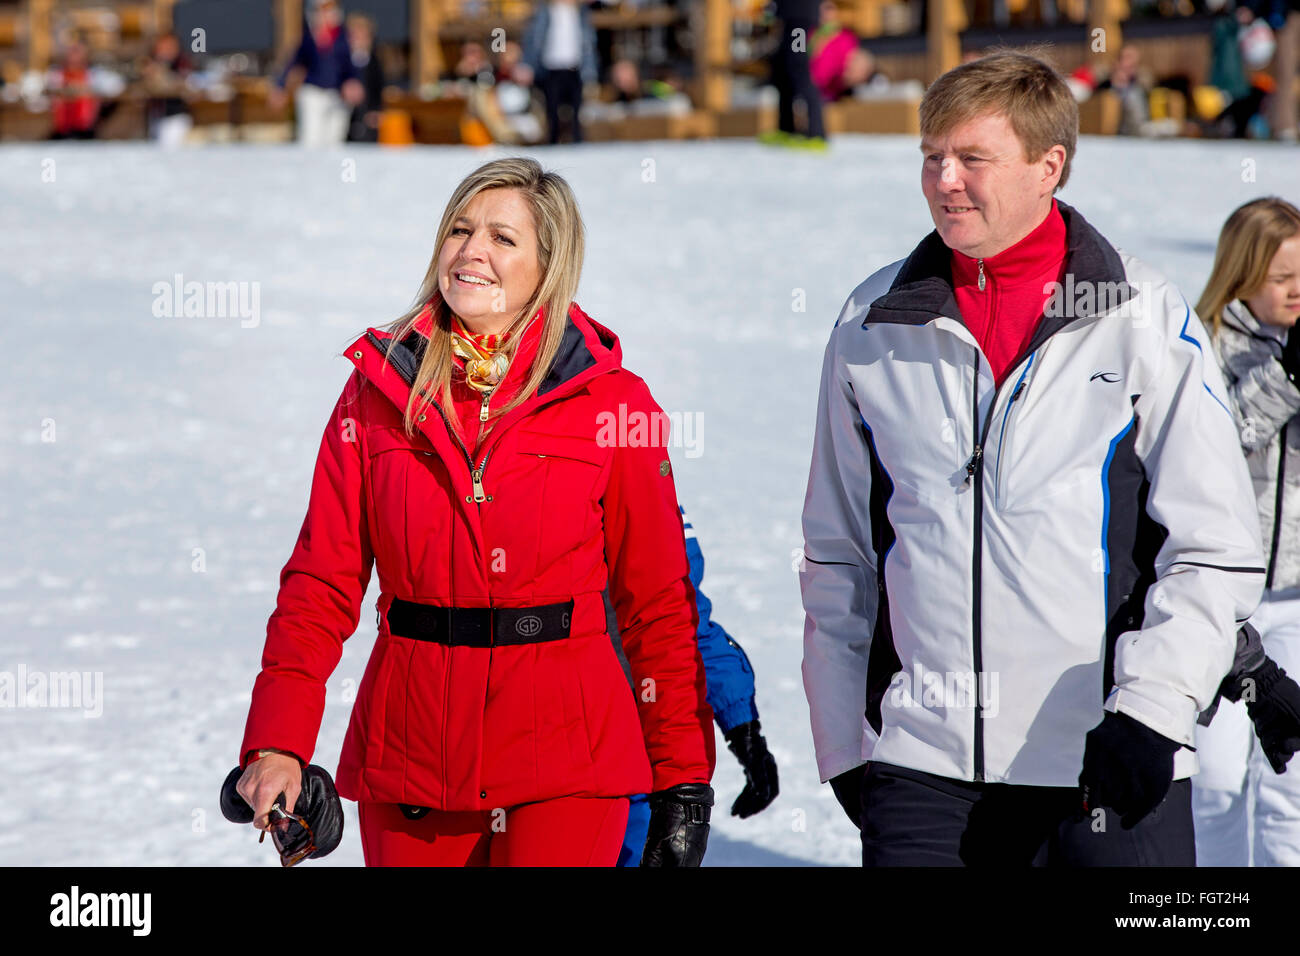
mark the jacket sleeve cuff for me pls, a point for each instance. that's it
(838, 761)
(733, 714)
(1168, 714)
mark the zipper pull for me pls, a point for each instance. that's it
(1019, 388)
(981, 277)
(483, 409)
(973, 463)
(477, 475)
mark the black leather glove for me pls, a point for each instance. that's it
(679, 825)
(1127, 766)
(848, 791)
(759, 765)
(1273, 703)
(1290, 357)
(318, 804)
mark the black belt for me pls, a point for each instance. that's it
(480, 626)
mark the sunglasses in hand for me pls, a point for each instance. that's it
(291, 835)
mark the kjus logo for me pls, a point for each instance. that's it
(528, 625)
(1111, 377)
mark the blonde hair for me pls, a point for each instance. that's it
(1247, 244)
(560, 246)
(1020, 86)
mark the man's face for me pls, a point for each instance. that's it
(984, 197)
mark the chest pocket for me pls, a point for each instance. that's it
(409, 503)
(563, 481)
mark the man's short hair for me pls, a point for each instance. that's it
(1032, 95)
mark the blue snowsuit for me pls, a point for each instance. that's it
(730, 692)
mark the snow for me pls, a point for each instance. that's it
(178, 434)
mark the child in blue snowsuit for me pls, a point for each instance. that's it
(730, 682)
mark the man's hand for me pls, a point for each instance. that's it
(1273, 702)
(848, 791)
(1127, 766)
(759, 765)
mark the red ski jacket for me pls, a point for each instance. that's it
(569, 505)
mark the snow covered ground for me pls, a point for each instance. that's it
(187, 443)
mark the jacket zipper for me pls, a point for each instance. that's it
(997, 477)
(975, 477)
(475, 474)
(1277, 505)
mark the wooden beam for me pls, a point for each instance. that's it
(713, 57)
(947, 18)
(40, 42)
(162, 16)
(427, 63)
(1105, 16)
(288, 28)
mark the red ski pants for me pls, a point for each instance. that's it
(569, 831)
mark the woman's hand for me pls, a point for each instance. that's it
(265, 779)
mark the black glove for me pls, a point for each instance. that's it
(1274, 707)
(318, 804)
(1127, 766)
(751, 750)
(1290, 357)
(679, 825)
(848, 791)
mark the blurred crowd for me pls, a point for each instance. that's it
(540, 85)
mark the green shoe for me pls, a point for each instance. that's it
(776, 137)
(816, 144)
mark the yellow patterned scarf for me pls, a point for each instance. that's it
(485, 367)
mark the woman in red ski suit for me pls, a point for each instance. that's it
(494, 723)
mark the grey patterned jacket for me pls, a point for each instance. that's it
(1266, 405)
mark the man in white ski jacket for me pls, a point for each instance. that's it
(1030, 535)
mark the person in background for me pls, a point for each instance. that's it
(1124, 82)
(730, 680)
(75, 105)
(163, 76)
(796, 24)
(364, 125)
(1250, 305)
(560, 56)
(839, 63)
(327, 84)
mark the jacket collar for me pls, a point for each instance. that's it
(587, 349)
(1236, 314)
(922, 290)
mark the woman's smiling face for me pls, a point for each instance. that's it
(488, 266)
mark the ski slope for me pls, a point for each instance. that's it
(143, 543)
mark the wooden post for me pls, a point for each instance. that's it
(426, 52)
(864, 17)
(713, 57)
(39, 40)
(1105, 16)
(288, 28)
(947, 18)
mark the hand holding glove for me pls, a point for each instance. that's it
(759, 765)
(679, 825)
(1127, 766)
(317, 803)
